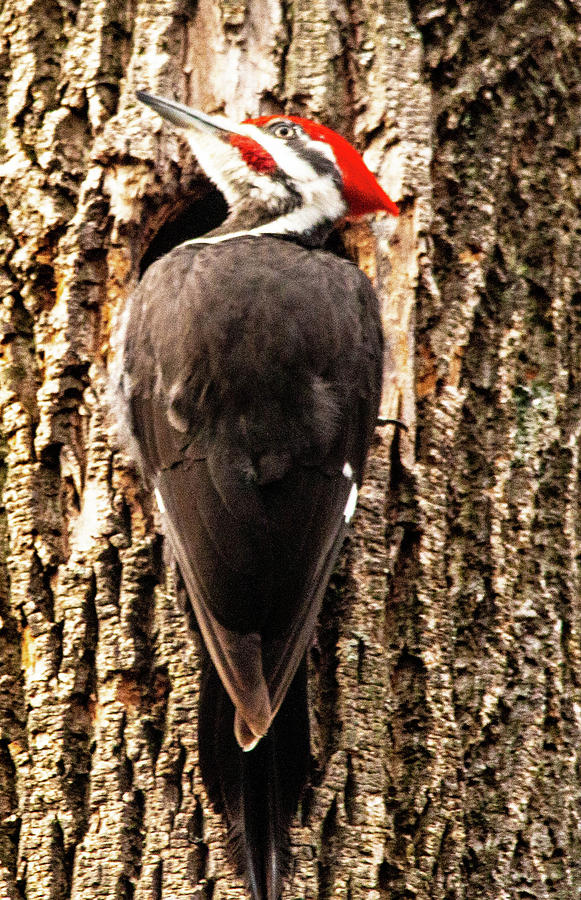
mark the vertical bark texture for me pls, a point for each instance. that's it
(445, 676)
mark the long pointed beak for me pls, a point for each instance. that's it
(184, 117)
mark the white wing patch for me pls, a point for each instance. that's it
(352, 498)
(160, 502)
(351, 504)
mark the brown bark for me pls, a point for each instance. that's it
(445, 675)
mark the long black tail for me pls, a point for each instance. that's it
(257, 792)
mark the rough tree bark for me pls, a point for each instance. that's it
(445, 676)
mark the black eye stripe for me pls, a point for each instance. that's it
(321, 163)
(303, 147)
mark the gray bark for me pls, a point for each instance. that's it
(446, 670)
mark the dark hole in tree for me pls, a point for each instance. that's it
(192, 219)
(334, 244)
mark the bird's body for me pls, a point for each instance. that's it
(248, 384)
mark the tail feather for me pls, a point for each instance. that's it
(257, 792)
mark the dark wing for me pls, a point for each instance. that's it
(252, 405)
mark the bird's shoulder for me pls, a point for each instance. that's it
(246, 300)
(250, 257)
(254, 341)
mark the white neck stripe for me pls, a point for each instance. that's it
(217, 239)
(302, 220)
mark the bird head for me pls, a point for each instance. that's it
(278, 174)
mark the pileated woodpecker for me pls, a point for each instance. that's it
(247, 383)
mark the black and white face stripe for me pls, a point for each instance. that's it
(317, 154)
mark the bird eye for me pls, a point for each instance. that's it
(283, 129)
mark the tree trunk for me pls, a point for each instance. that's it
(445, 675)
